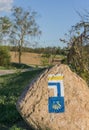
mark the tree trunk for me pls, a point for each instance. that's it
(20, 56)
(20, 52)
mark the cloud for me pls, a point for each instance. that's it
(6, 5)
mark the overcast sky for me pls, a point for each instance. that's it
(56, 16)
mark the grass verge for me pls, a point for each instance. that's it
(11, 87)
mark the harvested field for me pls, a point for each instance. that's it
(27, 58)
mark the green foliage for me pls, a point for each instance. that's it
(3, 68)
(81, 72)
(45, 50)
(78, 56)
(46, 55)
(78, 44)
(4, 56)
(78, 59)
(11, 87)
(20, 66)
(45, 59)
(16, 128)
(45, 62)
(5, 25)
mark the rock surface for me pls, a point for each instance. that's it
(33, 103)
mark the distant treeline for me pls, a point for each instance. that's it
(46, 50)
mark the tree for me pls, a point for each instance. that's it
(4, 56)
(24, 26)
(78, 42)
(5, 26)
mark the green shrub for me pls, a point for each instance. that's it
(4, 56)
(16, 128)
(20, 66)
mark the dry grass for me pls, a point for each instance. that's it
(27, 58)
(35, 59)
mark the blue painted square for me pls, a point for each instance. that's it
(56, 104)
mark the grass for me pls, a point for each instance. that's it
(3, 68)
(16, 66)
(11, 87)
(20, 66)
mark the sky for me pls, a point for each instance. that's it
(55, 17)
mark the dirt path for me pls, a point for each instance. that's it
(4, 72)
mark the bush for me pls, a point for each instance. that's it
(4, 56)
(20, 66)
(16, 128)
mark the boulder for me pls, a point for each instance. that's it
(33, 102)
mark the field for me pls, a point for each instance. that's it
(36, 59)
(11, 87)
(27, 58)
